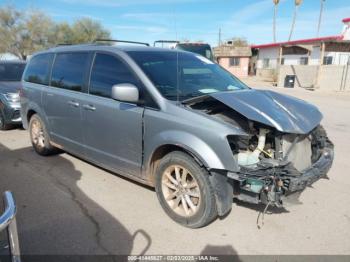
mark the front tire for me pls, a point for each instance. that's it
(184, 190)
(39, 137)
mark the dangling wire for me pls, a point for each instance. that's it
(263, 216)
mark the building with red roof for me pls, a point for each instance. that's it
(273, 61)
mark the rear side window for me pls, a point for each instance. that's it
(11, 72)
(38, 69)
(106, 72)
(69, 70)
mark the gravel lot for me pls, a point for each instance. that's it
(68, 206)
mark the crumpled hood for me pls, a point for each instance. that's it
(9, 86)
(285, 113)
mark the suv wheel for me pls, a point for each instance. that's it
(39, 136)
(184, 190)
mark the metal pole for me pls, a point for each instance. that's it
(274, 24)
(320, 18)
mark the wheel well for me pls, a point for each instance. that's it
(30, 114)
(159, 153)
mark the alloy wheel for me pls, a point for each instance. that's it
(37, 132)
(181, 191)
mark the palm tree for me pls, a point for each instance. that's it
(320, 18)
(296, 7)
(275, 2)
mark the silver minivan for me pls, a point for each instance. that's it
(176, 121)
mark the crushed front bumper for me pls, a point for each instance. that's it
(273, 185)
(318, 170)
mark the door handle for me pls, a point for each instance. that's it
(89, 107)
(73, 103)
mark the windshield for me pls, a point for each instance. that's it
(179, 75)
(203, 50)
(11, 72)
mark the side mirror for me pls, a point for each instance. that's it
(126, 93)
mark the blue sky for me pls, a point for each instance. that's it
(149, 20)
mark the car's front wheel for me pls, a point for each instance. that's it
(184, 190)
(39, 136)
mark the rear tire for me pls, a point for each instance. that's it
(39, 137)
(184, 190)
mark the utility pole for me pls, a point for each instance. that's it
(320, 18)
(275, 2)
(296, 7)
(219, 37)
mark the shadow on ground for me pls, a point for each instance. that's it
(54, 215)
(225, 253)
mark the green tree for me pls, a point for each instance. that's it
(87, 30)
(11, 31)
(61, 34)
(25, 32)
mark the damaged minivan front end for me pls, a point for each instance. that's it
(283, 150)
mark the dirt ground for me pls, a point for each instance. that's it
(68, 206)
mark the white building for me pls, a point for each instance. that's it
(313, 52)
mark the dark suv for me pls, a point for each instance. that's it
(176, 121)
(10, 83)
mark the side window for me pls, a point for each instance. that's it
(38, 69)
(328, 60)
(234, 61)
(304, 60)
(266, 63)
(69, 70)
(106, 72)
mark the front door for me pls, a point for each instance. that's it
(112, 129)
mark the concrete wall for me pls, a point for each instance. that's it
(332, 77)
(239, 71)
(305, 75)
(267, 74)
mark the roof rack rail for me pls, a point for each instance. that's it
(166, 42)
(120, 41)
(63, 44)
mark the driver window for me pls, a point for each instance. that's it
(106, 72)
